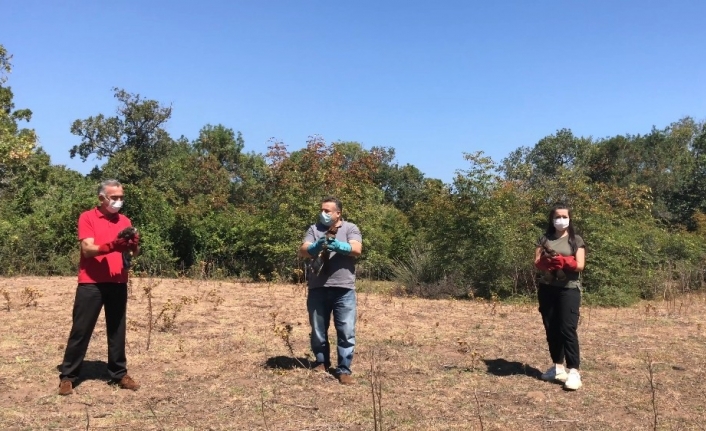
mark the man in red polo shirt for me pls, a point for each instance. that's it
(102, 282)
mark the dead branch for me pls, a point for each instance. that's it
(650, 371)
(159, 422)
(480, 417)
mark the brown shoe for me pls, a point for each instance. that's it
(320, 368)
(346, 379)
(127, 383)
(66, 387)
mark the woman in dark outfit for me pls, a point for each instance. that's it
(559, 295)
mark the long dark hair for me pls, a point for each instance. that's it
(551, 230)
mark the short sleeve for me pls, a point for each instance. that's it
(85, 227)
(539, 241)
(309, 236)
(579, 242)
(354, 234)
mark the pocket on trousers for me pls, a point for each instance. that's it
(575, 317)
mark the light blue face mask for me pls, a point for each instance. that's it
(325, 219)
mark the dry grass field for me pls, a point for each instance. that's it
(219, 359)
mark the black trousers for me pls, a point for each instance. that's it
(559, 307)
(90, 298)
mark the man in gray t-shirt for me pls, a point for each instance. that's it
(333, 244)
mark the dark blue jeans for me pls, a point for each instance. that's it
(321, 303)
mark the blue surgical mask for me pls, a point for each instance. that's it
(325, 219)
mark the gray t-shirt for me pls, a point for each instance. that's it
(341, 267)
(561, 246)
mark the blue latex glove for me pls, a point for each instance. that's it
(315, 247)
(339, 246)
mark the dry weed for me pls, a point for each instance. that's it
(214, 297)
(653, 391)
(30, 296)
(6, 295)
(166, 319)
(283, 330)
(376, 391)
(148, 290)
(466, 349)
(205, 376)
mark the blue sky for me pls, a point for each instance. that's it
(431, 79)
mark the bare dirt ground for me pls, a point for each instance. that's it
(222, 363)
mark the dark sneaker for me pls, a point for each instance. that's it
(127, 383)
(346, 379)
(66, 387)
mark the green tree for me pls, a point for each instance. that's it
(403, 186)
(39, 212)
(294, 186)
(135, 135)
(16, 144)
(223, 144)
(688, 196)
(661, 160)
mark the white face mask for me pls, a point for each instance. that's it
(114, 206)
(561, 223)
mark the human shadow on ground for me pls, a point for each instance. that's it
(502, 367)
(288, 363)
(91, 370)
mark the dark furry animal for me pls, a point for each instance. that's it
(320, 263)
(549, 252)
(127, 233)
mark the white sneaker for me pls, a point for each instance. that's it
(555, 373)
(574, 381)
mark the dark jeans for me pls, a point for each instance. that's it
(559, 307)
(321, 302)
(90, 298)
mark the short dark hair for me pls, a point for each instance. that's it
(339, 206)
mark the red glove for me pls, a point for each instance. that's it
(565, 262)
(119, 245)
(569, 262)
(545, 264)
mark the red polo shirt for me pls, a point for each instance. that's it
(107, 268)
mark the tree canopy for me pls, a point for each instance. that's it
(205, 206)
(16, 143)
